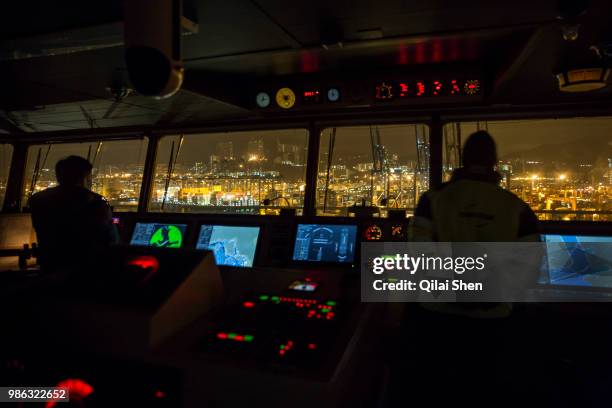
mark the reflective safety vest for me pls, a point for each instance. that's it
(472, 208)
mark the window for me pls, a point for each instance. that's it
(379, 166)
(6, 154)
(117, 173)
(561, 167)
(237, 172)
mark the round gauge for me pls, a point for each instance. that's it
(285, 98)
(471, 87)
(333, 94)
(398, 232)
(373, 233)
(262, 99)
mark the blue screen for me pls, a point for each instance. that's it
(578, 260)
(231, 245)
(325, 243)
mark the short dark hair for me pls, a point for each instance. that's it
(480, 150)
(72, 170)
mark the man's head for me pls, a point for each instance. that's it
(73, 171)
(480, 150)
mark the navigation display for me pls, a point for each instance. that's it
(232, 245)
(158, 235)
(325, 243)
(576, 260)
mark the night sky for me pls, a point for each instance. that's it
(512, 137)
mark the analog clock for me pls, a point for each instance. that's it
(263, 100)
(285, 98)
(333, 95)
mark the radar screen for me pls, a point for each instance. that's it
(158, 235)
(231, 245)
(399, 232)
(373, 233)
(325, 243)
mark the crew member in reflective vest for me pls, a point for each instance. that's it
(472, 207)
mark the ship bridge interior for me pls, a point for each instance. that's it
(252, 155)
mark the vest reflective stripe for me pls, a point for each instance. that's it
(475, 211)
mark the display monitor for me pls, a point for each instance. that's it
(578, 260)
(232, 245)
(325, 243)
(160, 235)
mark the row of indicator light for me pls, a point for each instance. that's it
(286, 97)
(288, 345)
(323, 311)
(236, 337)
(282, 299)
(388, 90)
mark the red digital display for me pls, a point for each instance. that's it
(404, 89)
(311, 95)
(454, 87)
(420, 88)
(436, 88)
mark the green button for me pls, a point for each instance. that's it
(331, 303)
(324, 310)
(231, 335)
(264, 297)
(249, 337)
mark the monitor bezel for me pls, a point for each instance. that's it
(186, 235)
(351, 263)
(229, 224)
(554, 286)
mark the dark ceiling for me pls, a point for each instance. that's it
(57, 58)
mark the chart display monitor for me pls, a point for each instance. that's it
(325, 243)
(158, 235)
(231, 245)
(578, 260)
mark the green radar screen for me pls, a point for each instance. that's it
(167, 236)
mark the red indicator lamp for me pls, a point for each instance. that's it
(454, 87)
(312, 346)
(420, 88)
(404, 89)
(248, 338)
(78, 390)
(284, 348)
(248, 305)
(471, 87)
(437, 88)
(159, 394)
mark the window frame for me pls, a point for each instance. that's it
(324, 125)
(157, 137)
(530, 116)
(27, 146)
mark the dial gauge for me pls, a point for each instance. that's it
(471, 87)
(262, 99)
(285, 98)
(333, 94)
(398, 232)
(373, 233)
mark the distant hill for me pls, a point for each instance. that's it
(586, 150)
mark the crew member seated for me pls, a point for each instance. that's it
(72, 222)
